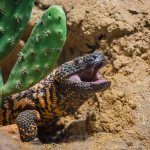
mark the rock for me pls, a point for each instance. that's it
(7, 143)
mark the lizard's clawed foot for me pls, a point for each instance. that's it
(26, 122)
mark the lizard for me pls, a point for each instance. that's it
(61, 93)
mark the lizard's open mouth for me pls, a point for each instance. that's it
(90, 75)
(82, 74)
(87, 80)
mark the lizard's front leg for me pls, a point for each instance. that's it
(27, 124)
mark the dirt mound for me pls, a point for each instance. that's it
(119, 117)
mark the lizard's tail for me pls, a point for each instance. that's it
(1, 86)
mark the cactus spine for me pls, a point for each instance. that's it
(40, 53)
(14, 16)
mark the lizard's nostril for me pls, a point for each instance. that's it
(94, 56)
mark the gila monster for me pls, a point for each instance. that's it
(61, 93)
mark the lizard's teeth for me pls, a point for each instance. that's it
(98, 76)
(75, 78)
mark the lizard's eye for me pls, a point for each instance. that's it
(78, 61)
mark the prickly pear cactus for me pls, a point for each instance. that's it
(14, 16)
(40, 53)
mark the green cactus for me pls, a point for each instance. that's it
(14, 16)
(40, 53)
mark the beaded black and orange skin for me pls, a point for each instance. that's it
(61, 93)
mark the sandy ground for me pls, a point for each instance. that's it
(117, 119)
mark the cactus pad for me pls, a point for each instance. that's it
(14, 16)
(40, 53)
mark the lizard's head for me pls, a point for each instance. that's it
(82, 74)
(77, 80)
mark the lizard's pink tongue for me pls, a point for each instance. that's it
(75, 78)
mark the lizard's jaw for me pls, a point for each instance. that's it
(88, 80)
(90, 75)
